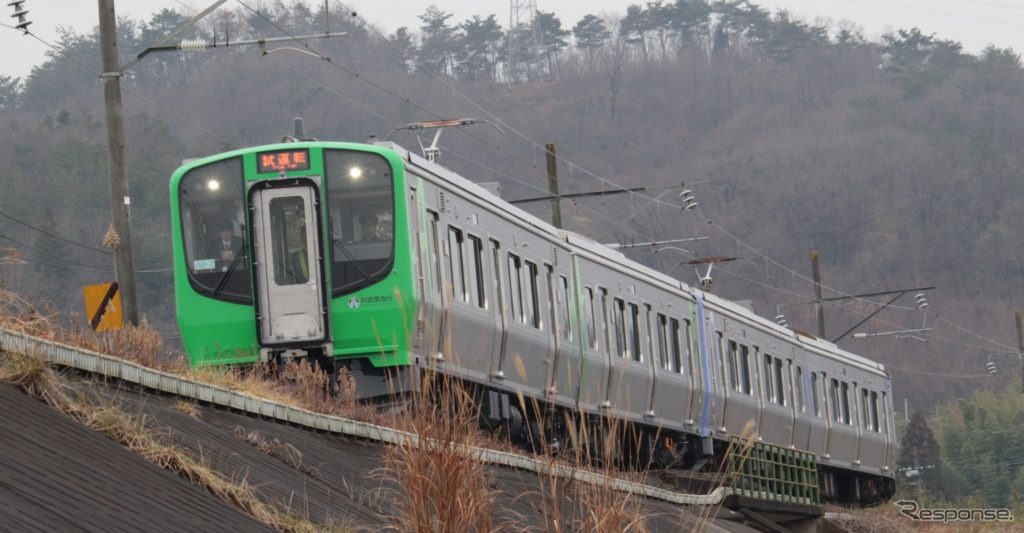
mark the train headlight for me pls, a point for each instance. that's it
(355, 173)
(213, 185)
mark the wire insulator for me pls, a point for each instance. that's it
(193, 45)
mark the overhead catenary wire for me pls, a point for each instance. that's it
(984, 349)
(651, 200)
(356, 74)
(655, 201)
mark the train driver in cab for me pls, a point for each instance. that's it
(228, 246)
(368, 227)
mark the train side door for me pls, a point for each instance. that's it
(287, 257)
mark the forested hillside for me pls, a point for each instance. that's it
(898, 161)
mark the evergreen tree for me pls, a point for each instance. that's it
(438, 40)
(920, 452)
(553, 38)
(591, 34)
(633, 28)
(9, 88)
(477, 48)
(688, 20)
(402, 39)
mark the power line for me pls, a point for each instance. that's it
(655, 200)
(48, 254)
(984, 349)
(404, 99)
(55, 236)
(651, 200)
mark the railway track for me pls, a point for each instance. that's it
(764, 514)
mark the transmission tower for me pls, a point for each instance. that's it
(523, 37)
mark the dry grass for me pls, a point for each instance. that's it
(188, 407)
(588, 446)
(138, 434)
(738, 453)
(141, 344)
(282, 451)
(440, 486)
(302, 385)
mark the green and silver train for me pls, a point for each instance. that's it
(371, 257)
(290, 250)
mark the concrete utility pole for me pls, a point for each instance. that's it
(817, 295)
(120, 202)
(556, 204)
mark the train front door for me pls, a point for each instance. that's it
(287, 252)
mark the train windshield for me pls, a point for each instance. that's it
(213, 230)
(361, 207)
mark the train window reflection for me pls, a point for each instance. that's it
(533, 296)
(591, 325)
(289, 240)
(362, 218)
(213, 230)
(515, 289)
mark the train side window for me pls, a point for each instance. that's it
(496, 279)
(563, 295)
(532, 296)
(885, 414)
(476, 274)
(619, 324)
(834, 398)
(688, 347)
(435, 261)
(730, 364)
(766, 370)
(660, 336)
(865, 422)
(874, 412)
(456, 274)
(604, 321)
(780, 391)
(814, 394)
(588, 311)
(721, 350)
(515, 288)
(845, 397)
(798, 391)
(635, 333)
(744, 369)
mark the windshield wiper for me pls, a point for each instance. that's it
(227, 273)
(355, 263)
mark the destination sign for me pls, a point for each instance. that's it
(282, 160)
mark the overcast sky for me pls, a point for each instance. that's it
(975, 23)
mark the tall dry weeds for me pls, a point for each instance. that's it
(582, 444)
(440, 485)
(141, 344)
(139, 435)
(736, 455)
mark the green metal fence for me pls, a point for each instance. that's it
(774, 473)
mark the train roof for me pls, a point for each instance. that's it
(614, 257)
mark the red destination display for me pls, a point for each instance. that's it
(282, 160)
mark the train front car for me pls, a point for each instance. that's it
(293, 250)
